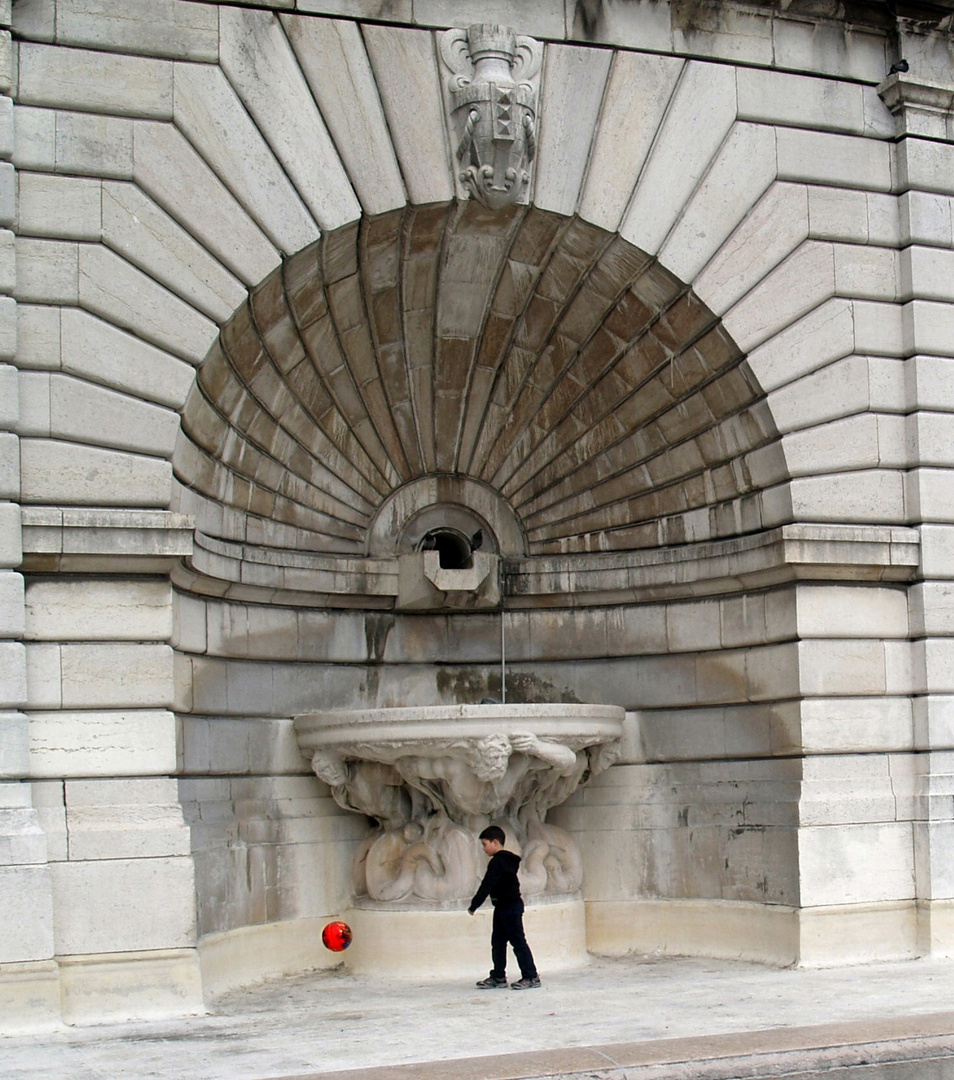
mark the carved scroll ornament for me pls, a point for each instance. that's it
(493, 110)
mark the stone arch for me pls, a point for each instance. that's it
(535, 355)
(251, 158)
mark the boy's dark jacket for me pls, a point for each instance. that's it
(500, 882)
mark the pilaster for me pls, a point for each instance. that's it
(102, 830)
(920, 94)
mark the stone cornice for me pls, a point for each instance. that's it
(900, 90)
(873, 13)
(103, 541)
(923, 108)
(789, 553)
(155, 541)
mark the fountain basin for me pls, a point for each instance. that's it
(570, 723)
(431, 778)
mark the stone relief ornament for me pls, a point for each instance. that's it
(429, 790)
(493, 106)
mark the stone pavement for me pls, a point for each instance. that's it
(632, 1018)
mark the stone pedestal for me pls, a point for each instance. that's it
(432, 778)
(454, 945)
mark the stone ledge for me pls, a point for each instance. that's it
(789, 553)
(244, 572)
(250, 954)
(448, 944)
(924, 109)
(763, 933)
(114, 987)
(29, 997)
(103, 541)
(899, 90)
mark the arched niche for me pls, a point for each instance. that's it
(539, 375)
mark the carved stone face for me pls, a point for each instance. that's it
(330, 768)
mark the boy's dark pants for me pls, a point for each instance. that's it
(508, 927)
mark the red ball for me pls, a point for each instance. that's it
(336, 936)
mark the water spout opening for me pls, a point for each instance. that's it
(454, 549)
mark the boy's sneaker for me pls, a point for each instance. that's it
(491, 983)
(525, 984)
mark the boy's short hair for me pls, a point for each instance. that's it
(493, 832)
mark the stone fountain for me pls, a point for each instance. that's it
(430, 778)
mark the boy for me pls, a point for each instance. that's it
(501, 885)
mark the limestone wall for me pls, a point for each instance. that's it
(785, 787)
(713, 798)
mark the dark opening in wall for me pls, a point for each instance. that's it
(453, 548)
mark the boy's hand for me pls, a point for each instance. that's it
(469, 912)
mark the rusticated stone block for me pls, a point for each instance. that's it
(119, 819)
(14, 745)
(152, 27)
(113, 610)
(211, 114)
(334, 61)
(166, 165)
(60, 206)
(256, 55)
(405, 69)
(143, 904)
(65, 472)
(27, 929)
(99, 743)
(92, 145)
(110, 287)
(94, 82)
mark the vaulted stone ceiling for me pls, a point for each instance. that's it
(538, 355)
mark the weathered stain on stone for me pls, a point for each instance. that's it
(377, 627)
(587, 18)
(469, 686)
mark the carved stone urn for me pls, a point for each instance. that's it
(431, 778)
